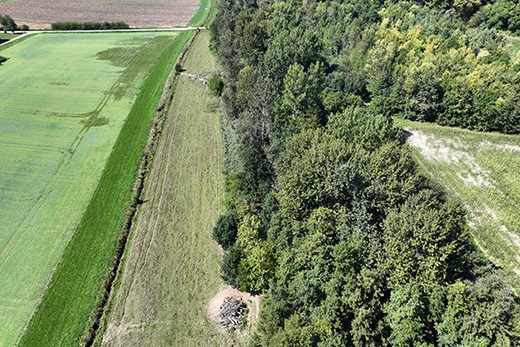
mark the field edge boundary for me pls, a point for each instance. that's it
(139, 188)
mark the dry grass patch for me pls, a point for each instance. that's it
(482, 170)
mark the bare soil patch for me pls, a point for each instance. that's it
(243, 334)
(138, 14)
(453, 152)
(225, 291)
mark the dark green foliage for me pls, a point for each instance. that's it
(23, 27)
(505, 15)
(256, 268)
(8, 23)
(426, 240)
(406, 315)
(484, 313)
(334, 223)
(89, 26)
(216, 85)
(230, 264)
(225, 231)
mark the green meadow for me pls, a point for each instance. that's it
(66, 100)
(482, 170)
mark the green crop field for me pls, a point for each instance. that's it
(202, 13)
(482, 170)
(65, 99)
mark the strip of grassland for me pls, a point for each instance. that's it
(482, 170)
(202, 14)
(171, 268)
(73, 293)
(6, 37)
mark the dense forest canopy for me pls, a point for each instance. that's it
(325, 210)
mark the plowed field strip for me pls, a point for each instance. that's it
(150, 13)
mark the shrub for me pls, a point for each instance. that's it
(229, 269)
(216, 85)
(225, 231)
(89, 26)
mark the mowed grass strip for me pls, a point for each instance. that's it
(171, 268)
(72, 296)
(199, 18)
(482, 170)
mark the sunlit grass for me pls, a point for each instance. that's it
(482, 170)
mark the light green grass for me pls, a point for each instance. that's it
(171, 267)
(482, 170)
(73, 294)
(202, 13)
(62, 111)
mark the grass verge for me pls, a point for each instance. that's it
(73, 293)
(200, 17)
(7, 44)
(6, 37)
(171, 267)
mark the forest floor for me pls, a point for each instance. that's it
(171, 268)
(482, 170)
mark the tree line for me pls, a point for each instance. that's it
(89, 26)
(326, 213)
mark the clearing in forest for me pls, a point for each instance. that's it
(64, 100)
(171, 268)
(482, 170)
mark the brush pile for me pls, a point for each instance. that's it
(231, 313)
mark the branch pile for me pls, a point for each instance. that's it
(231, 313)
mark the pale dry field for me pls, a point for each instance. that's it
(150, 13)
